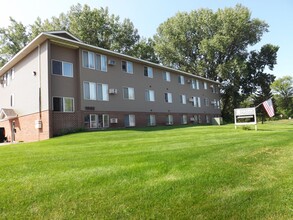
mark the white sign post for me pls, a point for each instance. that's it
(245, 116)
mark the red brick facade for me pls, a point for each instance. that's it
(25, 128)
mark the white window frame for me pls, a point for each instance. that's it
(206, 101)
(64, 103)
(128, 67)
(150, 95)
(183, 99)
(184, 119)
(130, 93)
(170, 120)
(167, 76)
(168, 97)
(130, 120)
(196, 102)
(93, 121)
(63, 63)
(102, 92)
(181, 80)
(152, 120)
(92, 90)
(102, 61)
(205, 85)
(148, 72)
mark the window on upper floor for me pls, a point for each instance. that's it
(150, 95)
(94, 61)
(90, 90)
(195, 84)
(167, 76)
(181, 79)
(196, 102)
(101, 62)
(183, 99)
(205, 85)
(206, 101)
(127, 66)
(103, 94)
(128, 93)
(148, 71)
(11, 100)
(62, 68)
(168, 97)
(63, 104)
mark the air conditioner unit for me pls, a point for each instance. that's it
(113, 120)
(113, 91)
(2, 81)
(191, 99)
(112, 62)
(169, 123)
(192, 119)
(189, 81)
(213, 102)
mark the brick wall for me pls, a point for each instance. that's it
(25, 128)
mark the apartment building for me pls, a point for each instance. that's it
(58, 84)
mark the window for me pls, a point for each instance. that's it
(150, 95)
(184, 119)
(195, 84)
(196, 102)
(94, 61)
(129, 120)
(128, 93)
(127, 67)
(213, 88)
(62, 68)
(88, 59)
(101, 62)
(169, 120)
(167, 76)
(97, 121)
(12, 100)
(90, 90)
(151, 120)
(103, 94)
(181, 79)
(206, 101)
(93, 121)
(205, 85)
(63, 104)
(148, 71)
(183, 99)
(208, 119)
(168, 97)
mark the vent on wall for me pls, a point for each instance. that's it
(112, 62)
(113, 120)
(113, 91)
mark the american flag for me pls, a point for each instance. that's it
(268, 105)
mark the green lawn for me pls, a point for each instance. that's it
(198, 172)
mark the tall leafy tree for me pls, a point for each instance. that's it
(12, 39)
(215, 45)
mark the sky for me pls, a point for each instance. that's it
(149, 14)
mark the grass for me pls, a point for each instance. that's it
(200, 172)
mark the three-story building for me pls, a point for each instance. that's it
(58, 83)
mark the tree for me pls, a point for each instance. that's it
(215, 45)
(283, 90)
(144, 49)
(12, 39)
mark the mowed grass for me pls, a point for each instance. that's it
(197, 172)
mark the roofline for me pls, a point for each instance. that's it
(49, 36)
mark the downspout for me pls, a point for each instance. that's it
(40, 92)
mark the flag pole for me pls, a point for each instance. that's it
(258, 105)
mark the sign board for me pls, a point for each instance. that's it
(245, 116)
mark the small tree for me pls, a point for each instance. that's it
(283, 93)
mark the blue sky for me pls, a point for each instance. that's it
(148, 15)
